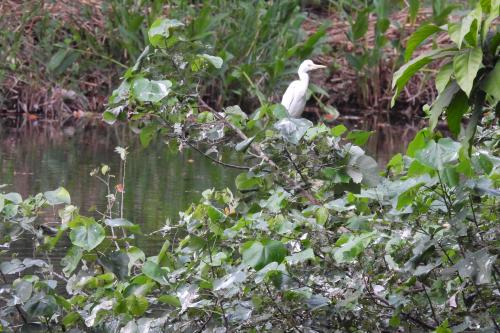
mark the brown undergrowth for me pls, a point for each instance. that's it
(34, 83)
(364, 97)
(31, 90)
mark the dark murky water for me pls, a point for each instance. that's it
(159, 182)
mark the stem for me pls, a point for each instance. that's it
(280, 310)
(234, 166)
(256, 148)
(474, 218)
(430, 304)
(296, 167)
(445, 196)
(123, 188)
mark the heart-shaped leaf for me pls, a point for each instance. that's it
(258, 254)
(439, 154)
(152, 91)
(86, 233)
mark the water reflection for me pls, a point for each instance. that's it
(159, 182)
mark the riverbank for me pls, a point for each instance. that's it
(49, 73)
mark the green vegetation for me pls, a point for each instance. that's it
(314, 239)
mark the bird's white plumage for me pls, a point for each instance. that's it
(294, 99)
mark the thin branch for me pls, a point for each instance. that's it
(430, 304)
(229, 165)
(296, 167)
(256, 148)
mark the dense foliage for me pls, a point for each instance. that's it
(314, 239)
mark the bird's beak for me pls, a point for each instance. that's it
(315, 66)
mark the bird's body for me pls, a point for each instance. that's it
(294, 99)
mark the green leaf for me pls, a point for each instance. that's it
(293, 129)
(485, 163)
(396, 164)
(62, 60)
(145, 90)
(170, 300)
(322, 215)
(117, 263)
(405, 72)
(215, 61)
(247, 181)
(413, 10)
(86, 233)
(155, 272)
(360, 27)
(59, 196)
(160, 31)
(23, 289)
(421, 34)
(444, 328)
(418, 142)
(352, 248)
(311, 42)
(485, 5)
(443, 77)
(137, 305)
(494, 9)
(41, 305)
(134, 254)
(363, 168)
(122, 223)
(13, 197)
(470, 24)
(147, 134)
(243, 145)
(71, 318)
(359, 137)
(477, 265)
(465, 66)
(442, 101)
(338, 130)
(455, 111)
(300, 257)
(121, 93)
(258, 254)
(279, 111)
(440, 154)
(109, 116)
(491, 84)
(71, 259)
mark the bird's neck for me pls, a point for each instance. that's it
(303, 76)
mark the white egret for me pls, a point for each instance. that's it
(294, 99)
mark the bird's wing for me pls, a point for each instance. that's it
(290, 95)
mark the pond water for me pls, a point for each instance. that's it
(159, 182)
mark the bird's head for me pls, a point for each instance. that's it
(309, 65)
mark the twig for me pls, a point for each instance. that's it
(256, 148)
(234, 166)
(279, 308)
(430, 304)
(295, 166)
